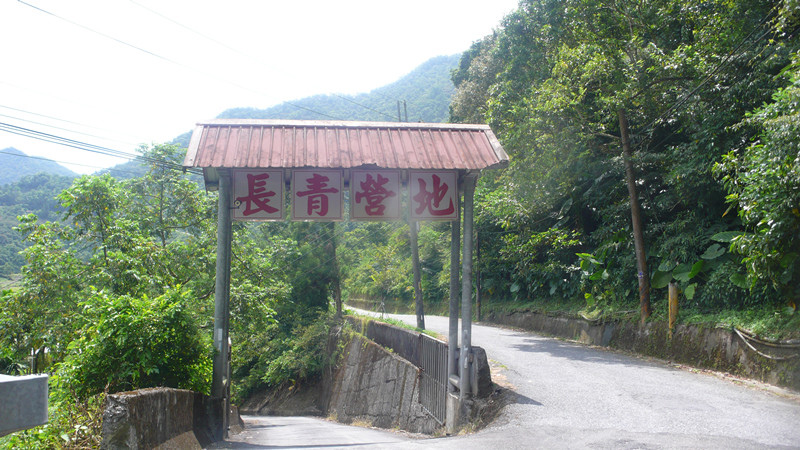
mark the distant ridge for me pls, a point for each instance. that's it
(17, 164)
(426, 91)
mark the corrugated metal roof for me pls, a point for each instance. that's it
(235, 143)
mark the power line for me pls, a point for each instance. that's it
(65, 121)
(61, 162)
(63, 129)
(240, 53)
(169, 60)
(46, 137)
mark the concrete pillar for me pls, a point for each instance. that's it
(221, 370)
(453, 404)
(466, 290)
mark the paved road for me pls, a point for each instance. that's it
(571, 396)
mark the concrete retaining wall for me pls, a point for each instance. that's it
(374, 386)
(405, 343)
(157, 418)
(703, 347)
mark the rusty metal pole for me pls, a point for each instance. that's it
(452, 336)
(221, 369)
(464, 363)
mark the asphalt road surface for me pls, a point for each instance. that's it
(567, 395)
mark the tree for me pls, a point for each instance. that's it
(763, 182)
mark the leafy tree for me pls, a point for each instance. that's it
(763, 182)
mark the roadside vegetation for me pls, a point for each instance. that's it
(707, 93)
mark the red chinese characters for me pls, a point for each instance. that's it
(433, 195)
(317, 195)
(375, 195)
(257, 195)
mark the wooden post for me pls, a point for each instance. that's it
(673, 306)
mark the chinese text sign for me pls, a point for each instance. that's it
(257, 195)
(375, 195)
(433, 195)
(317, 195)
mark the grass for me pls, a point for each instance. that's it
(10, 282)
(772, 323)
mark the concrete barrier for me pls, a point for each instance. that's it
(721, 349)
(24, 402)
(158, 418)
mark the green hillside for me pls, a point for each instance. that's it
(426, 92)
(17, 165)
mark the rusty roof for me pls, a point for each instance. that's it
(239, 143)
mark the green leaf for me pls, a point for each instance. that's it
(726, 236)
(788, 259)
(515, 287)
(682, 273)
(713, 252)
(696, 268)
(740, 280)
(689, 291)
(660, 279)
(667, 266)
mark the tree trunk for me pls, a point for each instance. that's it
(636, 220)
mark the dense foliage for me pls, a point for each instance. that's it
(553, 83)
(118, 295)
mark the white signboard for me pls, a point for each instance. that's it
(317, 194)
(433, 195)
(375, 195)
(257, 195)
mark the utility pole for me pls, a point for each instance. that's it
(636, 219)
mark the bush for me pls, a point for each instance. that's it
(131, 343)
(276, 355)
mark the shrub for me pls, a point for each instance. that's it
(131, 343)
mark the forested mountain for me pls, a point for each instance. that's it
(31, 194)
(17, 164)
(424, 95)
(27, 185)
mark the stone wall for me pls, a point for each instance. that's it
(703, 347)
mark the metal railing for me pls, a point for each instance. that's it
(433, 377)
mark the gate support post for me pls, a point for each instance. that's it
(221, 371)
(452, 404)
(465, 362)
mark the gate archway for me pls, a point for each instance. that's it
(251, 162)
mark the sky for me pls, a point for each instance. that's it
(122, 73)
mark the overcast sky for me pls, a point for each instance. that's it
(119, 73)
